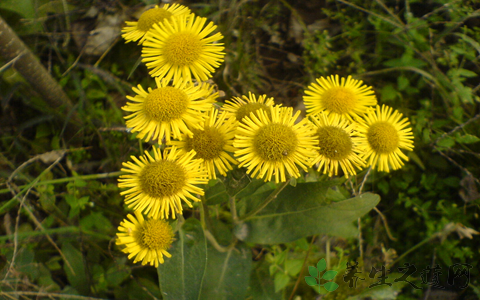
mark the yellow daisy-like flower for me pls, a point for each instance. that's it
(242, 107)
(168, 110)
(157, 185)
(272, 144)
(146, 240)
(383, 133)
(337, 145)
(181, 48)
(348, 98)
(134, 31)
(212, 142)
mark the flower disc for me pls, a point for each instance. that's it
(180, 48)
(157, 185)
(168, 111)
(383, 134)
(270, 145)
(146, 240)
(212, 143)
(337, 145)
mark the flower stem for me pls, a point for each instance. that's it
(233, 209)
(267, 201)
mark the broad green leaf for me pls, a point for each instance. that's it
(311, 281)
(227, 273)
(216, 194)
(313, 271)
(330, 286)
(382, 292)
(281, 280)
(302, 211)
(261, 283)
(78, 279)
(446, 142)
(329, 275)
(182, 275)
(321, 265)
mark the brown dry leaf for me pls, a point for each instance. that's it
(50, 157)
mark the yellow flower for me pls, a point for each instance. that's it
(242, 107)
(348, 98)
(383, 134)
(168, 110)
(134, 31)
(211, 143)
(157, 185)
(338, 145)
(274, 145)
(146, 240)
(181, 48)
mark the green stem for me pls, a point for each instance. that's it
(233, 209)
(67, 179)
(12, 202)
(60, 230)
(267, 201)
(427, 240)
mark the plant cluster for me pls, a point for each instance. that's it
(345, 130)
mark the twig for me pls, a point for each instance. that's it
(457, 164)
(371, 13)
(55, 295)
(37, 223)
(300, 276)
(476, 117)
(385, 223)
(364, 180)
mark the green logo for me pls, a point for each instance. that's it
(316, 277)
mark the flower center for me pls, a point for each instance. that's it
(152, 16)
(245, 110)
(334, 142)
(339, 100)
(383, 137)
(155, 235)
(208, 143)
(275, 142)
(182, 48)
(166, 104)
(162, 179)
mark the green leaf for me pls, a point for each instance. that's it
(402, 83)
(329, 275)
(227, 274)
(330, 286)
(467, 139)
(293, 267)
(302, 211)
(261, 283)
(313, 271)
(216, 194)
(311, 281)
(388, 93)
(321, 265)
(78, 279)
(182, 275)
(281, 280)
(446, 142)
